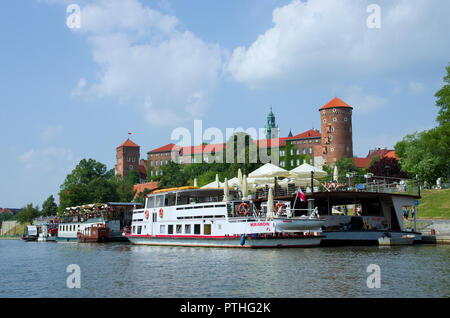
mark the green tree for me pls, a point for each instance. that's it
(124, 188)
(133, 177)
(28, 213)
(89, 182)
(172, 175)
(49, 207)
(427, 153)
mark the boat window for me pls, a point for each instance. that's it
(162, 229)
(179, 228)
(170, 229)
(159, 201)
(154, 217)
(150, 202)
(170, 200)
(187, 229)
(134, 229)
(139, 229)
(196, 228)
(207, 229)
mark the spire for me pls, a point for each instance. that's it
(290, 133)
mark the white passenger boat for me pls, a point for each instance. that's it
(116, 216)
(189, 216)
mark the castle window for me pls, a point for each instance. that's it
(330, 138)
(298, 162)
(334, 110)
(332, 149)
(131, 167)
(304, 151)
(324, 121)
(345, 118)
(297, 151)
(292, 162)
(292, 152)
(282, 153)
(334, 119)
(310, 150)
(281, 163)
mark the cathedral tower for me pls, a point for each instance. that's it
(271, 127)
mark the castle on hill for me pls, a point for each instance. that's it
(333, 142)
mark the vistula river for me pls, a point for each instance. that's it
(32, 269)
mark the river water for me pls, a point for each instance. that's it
(33, 269)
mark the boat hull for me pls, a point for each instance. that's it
(229, 242)
(295, 225)
(352, 238)
(390, 241)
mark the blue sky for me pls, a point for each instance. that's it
(148, 67)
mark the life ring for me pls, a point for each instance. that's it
(283, 207)
(161, 213)
(146, 214)
(247, 208)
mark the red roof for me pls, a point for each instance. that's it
(141, 187)
(202, 149)
(165, 148)
(307, 134)
(336, 102)
(381, 153)
(362, 163)
(128, 143)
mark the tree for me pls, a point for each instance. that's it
(387, 167)
(28, 213)
(133, 177)
(443, 100)
(124, 188)
(346, 165)
(89, 182)
(49, 207)
(427, 153)
(172, 175)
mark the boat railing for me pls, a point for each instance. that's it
(348, 183)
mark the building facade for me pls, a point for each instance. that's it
(315, 147)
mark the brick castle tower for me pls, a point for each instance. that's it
(127, 156)
(336, 127)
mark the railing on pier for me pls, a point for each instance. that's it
(376, 184)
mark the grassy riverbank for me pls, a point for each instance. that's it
(434, 204)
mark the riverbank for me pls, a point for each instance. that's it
(9, 237)
(434, 204)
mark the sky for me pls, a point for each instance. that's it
(74, 88)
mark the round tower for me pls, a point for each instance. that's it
(336, 130)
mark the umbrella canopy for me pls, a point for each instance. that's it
(270, 214)
(269, 171)
(298, 182)
(212, 185)
(226, 190)
(217, 181)
(235, 182)
(239, 177)
(244, 188)
(195, 182)
(304, 171)
(335, 173)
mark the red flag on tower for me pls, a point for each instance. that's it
(301, 195)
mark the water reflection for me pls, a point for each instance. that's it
(124, 270)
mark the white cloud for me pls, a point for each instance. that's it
(330, 40)
(47, 159)
(147, 59)
(51, 132)
(362, 102)
(416, 88)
